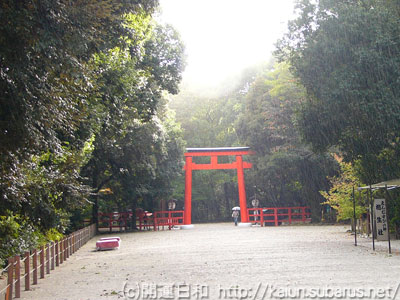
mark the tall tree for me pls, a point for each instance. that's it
(80, 81)
(346, 54)
(129, 117)
(211, 122)
(285, 172)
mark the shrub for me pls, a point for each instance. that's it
(16, 236)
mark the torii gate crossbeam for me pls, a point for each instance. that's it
(214, 153)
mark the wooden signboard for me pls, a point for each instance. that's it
(381, 221)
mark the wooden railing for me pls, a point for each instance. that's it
(119, 220)
(39, 262)
(279, 215)
(124, 220)
(168, 218)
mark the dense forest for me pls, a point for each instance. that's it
(85, 125)
(93, 117)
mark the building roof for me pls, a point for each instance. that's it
(389, 184)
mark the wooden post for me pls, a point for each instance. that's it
(47, 259)
(41, 262)
(27, 271)
(52, 255)
(68, 246)
(276, 216)
(17, 260)
(290, 215)
(65, 249)
(60, 244)
(169, 220)
(10, 278)
(71, 245)
(34, 265)
(387, 218)
(57, 254)
(262, 217)
(77, 240)
(372, 217)
(61, 249)
(355, 218)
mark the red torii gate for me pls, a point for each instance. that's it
(214, 153)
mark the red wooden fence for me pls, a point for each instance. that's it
(168, 218)
(50, 256)
(160, 219)
(143, 220)
(279, 215)
(115, 220)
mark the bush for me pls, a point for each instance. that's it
(16, 236)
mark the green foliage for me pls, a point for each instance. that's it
(53, 235)
(16, 236)
(259, 112)
(340, 195)
(81, 107)
(138, 147)
(45, 79)
(47, 185)
(346, 55)
(285, 172)
(211, 122)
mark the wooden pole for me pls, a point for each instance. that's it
(65, 248)
(17, 260)
(57, 254)
(47, 259)
(10, 278)
(387, 218)
(34, 265)
(60, 243)
(372, 217)
(52, 255)
(41, 262)
(71, 246)
(27, 271)
(355, 218)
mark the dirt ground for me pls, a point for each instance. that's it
(221, 261)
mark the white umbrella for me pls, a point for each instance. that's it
(236, 208)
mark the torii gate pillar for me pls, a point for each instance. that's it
(214, 153)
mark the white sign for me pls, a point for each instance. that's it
(382, 229)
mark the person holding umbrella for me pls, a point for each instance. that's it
(235, 214)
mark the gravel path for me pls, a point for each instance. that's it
(221, 261)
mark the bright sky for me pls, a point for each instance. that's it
(224, 36)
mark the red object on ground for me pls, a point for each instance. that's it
(108, 244)
(111, 238)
